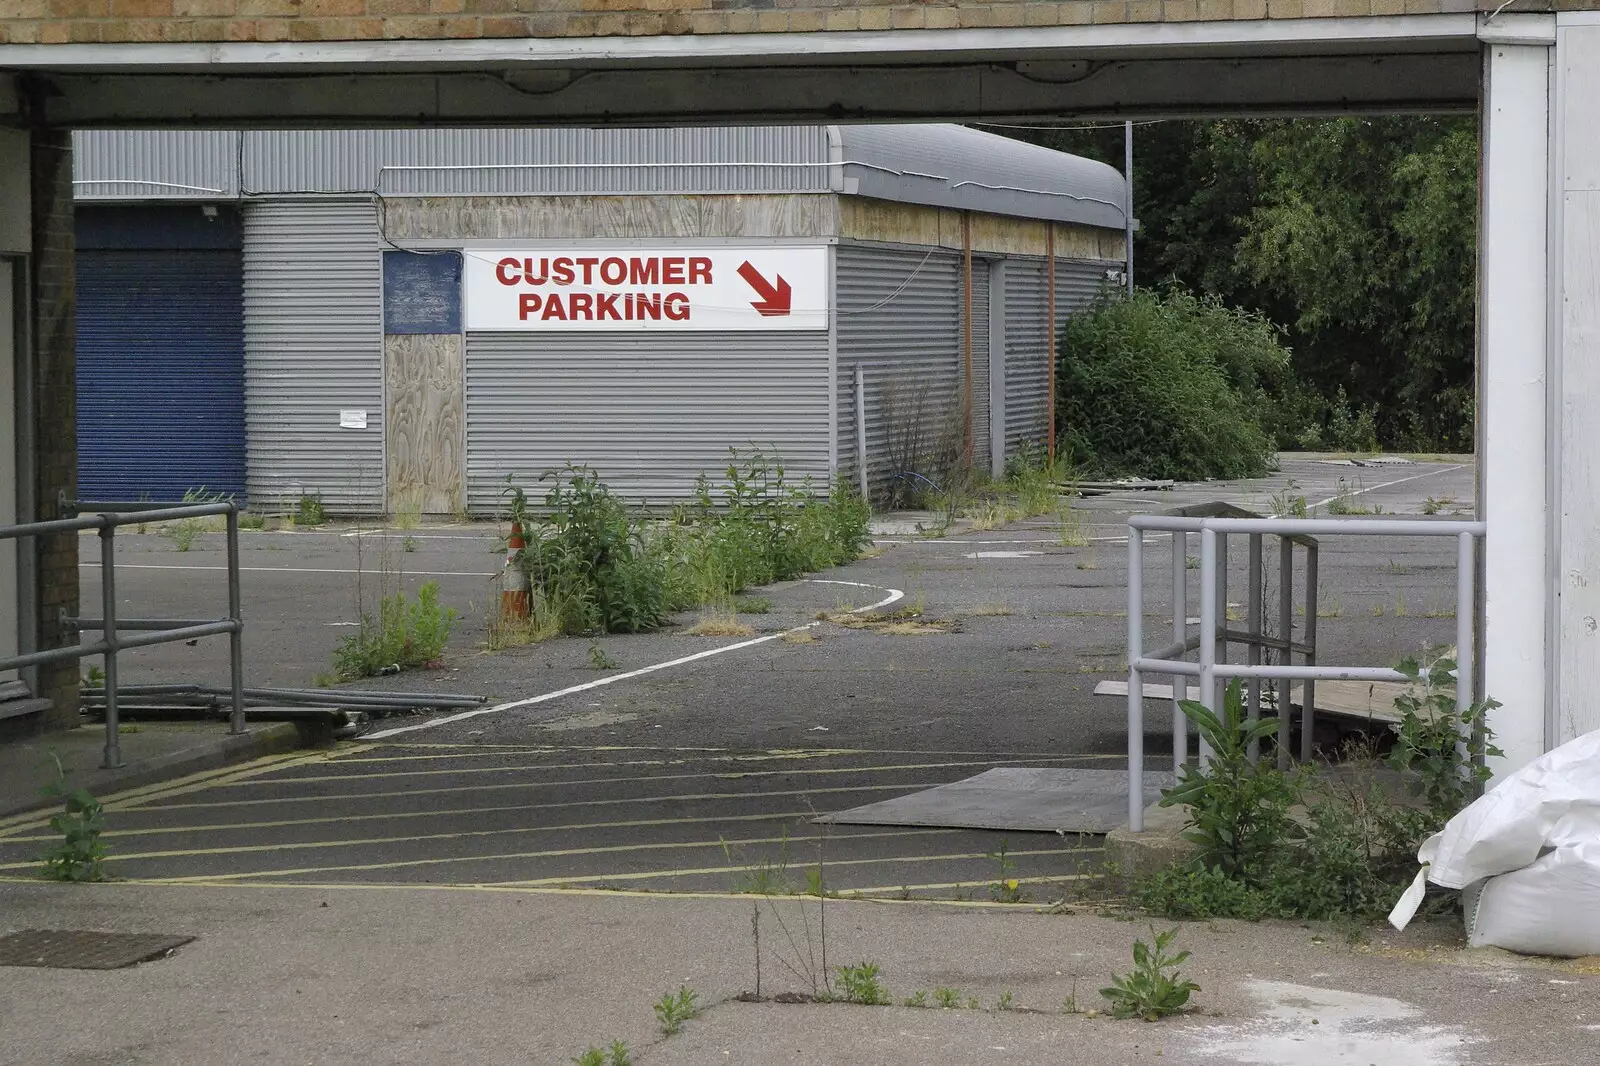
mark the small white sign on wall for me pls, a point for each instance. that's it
(645, 287)
(352, 418)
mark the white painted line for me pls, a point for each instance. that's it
(291, 570)
(1385, 485)
(894, 594)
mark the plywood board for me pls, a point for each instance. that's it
(424, 386)
(1355, 699)
(1017, 799)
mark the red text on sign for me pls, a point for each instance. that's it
(603, 307)
(610, 270)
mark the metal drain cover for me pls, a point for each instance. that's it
(76, 949)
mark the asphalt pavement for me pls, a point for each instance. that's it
(670, 762)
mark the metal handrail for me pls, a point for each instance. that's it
(148, 631)
(1221, 520)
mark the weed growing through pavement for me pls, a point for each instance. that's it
(673, 1009)
(408, 544)
(916, 999)
(1286, 502)
(752, 605)
(80, 853)
(599, 660)
(405, 634)
(507, 629)
(1155, 987)
(251, 521)
(949, 998)
(1005, 888)
(1070, 1004)
(860, 984)
(616, 1055)
(719, 624)
(1352, 852)
(1004, 1002)
(1191, 562)
(1345, 501)
(1071, 530)
(1432, 506)
(308, 511)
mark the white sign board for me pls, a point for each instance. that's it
(644, 287)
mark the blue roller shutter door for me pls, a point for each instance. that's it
(160, 373)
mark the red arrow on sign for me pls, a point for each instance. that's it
(774, 298)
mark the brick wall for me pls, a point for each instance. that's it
(59, 21)
(55, 406)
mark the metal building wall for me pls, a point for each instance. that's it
(1027, 371)
(155, 164)
(206, 164)
(899, 317)
(648, 412)
(313, 322)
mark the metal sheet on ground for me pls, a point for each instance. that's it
(1020, 799)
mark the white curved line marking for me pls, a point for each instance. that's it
(894, 594)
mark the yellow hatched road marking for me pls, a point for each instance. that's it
(571, 827)
(848, 893)
(646, 875)
(389, 815)
(662, 895)
(463, 771)
(566, 852)
(771, 753)
(557, 785)
(131, 799)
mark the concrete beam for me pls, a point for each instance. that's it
(1027, 89)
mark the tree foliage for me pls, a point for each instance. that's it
(1357, 234)
(1167, 385)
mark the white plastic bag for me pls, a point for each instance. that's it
(1549, 808)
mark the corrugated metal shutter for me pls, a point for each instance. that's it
(899, 316)
(160, 374)
(649, 413)
(1027, 358)
(313, 321)
(980, 365)
(1079, 282)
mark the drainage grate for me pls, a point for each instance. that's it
(76, 949)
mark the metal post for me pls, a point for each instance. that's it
(861, 431)
(1222, 607)
(1127, 216)
(1466, 570)
(1308, 687)
(1253, 649)
(1135, 681)
(108, 608)
(235, 638)
(1180, 633)
(1208, 629)
(1286, 634)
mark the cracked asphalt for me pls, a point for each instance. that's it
(704, 776)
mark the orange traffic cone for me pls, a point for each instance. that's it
(515, 589)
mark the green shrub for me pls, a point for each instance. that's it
(1351, 851)
(79, 854)
(1167, 385)
(406, 634)
(602, 568)
(588, 559)
(1238, 807)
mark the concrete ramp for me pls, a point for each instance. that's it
(1020, 799)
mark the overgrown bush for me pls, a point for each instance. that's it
(406, 634)
(1167, 385)
(1317, 847)
(600, 567)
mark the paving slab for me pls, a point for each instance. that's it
(416, 976)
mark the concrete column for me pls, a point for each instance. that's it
(52, 404)
(1575, 322)
(15, 241)
(1513, 464)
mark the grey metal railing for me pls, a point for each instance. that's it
(1214, 523)
(114, 632)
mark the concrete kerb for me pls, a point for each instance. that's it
(1131, 856)
(186, 753)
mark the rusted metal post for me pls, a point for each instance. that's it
(966, 336)
(1050, 340)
